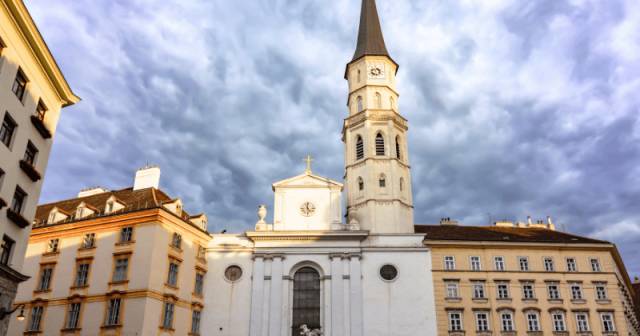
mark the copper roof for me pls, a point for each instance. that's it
(370, 39)
(501, 234)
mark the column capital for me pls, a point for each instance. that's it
(355, 256)
(258, 256)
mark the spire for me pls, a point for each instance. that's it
(370, 39)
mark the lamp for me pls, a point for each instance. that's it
(4, 312)
(20, 316)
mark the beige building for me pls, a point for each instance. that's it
(527, 280)
(32, 92)
(125, 262)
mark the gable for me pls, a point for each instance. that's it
(307, 181)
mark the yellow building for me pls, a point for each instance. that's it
(125, 262)
(518, 279)
(32, 93)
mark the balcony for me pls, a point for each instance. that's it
(17, 219)
(30, 170)
(40, 127)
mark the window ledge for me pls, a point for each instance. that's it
(578, 301)
(42, 291)
(456, 333)
(70, 330)
(561, 333)
(130, 242)
(79, 287)
(584, 333)
(453, 299)
(111, 326)
(508, 333)
(603, 301)
(17, 219)
(51, 254)
(484, 333)
(534, 333)
(174, 287)
(3, 203)
(559, 301)
(175, 248)
(531, 300)
(40, 127)
(119, 282)
(87, 248)
(32, 332)
(30, 170)
(481, 300)
(609, 333)
(504, 300)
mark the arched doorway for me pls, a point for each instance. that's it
(306, 300)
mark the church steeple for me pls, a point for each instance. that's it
(370, 39)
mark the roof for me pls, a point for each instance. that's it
(309, 180)
(501, 234)
(370, 39)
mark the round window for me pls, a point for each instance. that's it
(388, 272)
(233, 273)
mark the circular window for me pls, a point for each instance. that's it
(233, 273)
(388, 272)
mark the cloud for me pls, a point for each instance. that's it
(515, 108)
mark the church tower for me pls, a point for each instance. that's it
(377, 171)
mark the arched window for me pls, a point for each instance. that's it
(398, 147)
(379, 144)
(306, 299)
(360, 184)
(378, 100)
(359, 76)
(359, 103)
(359, 148)
(382, 181)
(392, 103)
(401, 184)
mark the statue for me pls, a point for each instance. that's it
(261, 225)
(308, 332)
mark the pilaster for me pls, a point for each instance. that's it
(257, 292)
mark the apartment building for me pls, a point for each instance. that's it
(124, 262)
(32, 93)
(524, 279)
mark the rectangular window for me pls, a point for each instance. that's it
(524, 263)
(548, 264)
(7, 248)
(7, 130)
(109, 207)
(176, 240)
(19, 84)
(19, 200)
(41, 110)
(478, 290)
(571, 265)
(576, 291)
(595, 265)
(528, 291)
(172, 277)
(607, 322)
(499, 263)
(201, 252)
(167, 321)
(197, 288)
(30, 153)
(559, 323)
(449, 263)
(113, 312)
(36, 318)
(533, 321)
(89, 240)
(126, 234)
(82, 274)
(475, 263)
(503, 290)
(52, 246)
(452, 290)
(195, 322)
(507, 321)
(46, 272)
(73, 315)
(582, 322)
(120, 270)
(601, 292)
(482, 321)
(554, 291)
(455, 321)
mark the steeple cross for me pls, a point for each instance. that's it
(308, 160)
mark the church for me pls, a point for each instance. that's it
(310, 269)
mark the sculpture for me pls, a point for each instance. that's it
(308, 332)
(261, 225)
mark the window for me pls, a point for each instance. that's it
(306, 299)
(360, 184)
(19, 84)
(398, 147)
(533, 321)
(607, 322)
(82, 274)
(528, 292)
(475, 264)
(582, 322)
(478, 290)
(359, 148)
(41, 110)
(19, 199)
(359, 103)
(7, 129)
(507, 321)
(482, 321)
(379, 145)
(382, 181)
(73, 315)
(359, 76)
(455, 321)
(195, 322)
(449, 263)
(113, 312)
(1, 176)
(197, 288)
(80, 212)
(571, 265)
(176, 240)
(401, 184)
(601, 292)
(548, 264)
(7, 248)
(52, 246)
(172, 277)
(233, 273)
(109, 207)
(559, 323)
(524, 263)
(36, 318)
(503, 290)
(201, 252)
(452, 290)
(388, 272)
(499, 263)
(30, 153)
(89, 240)
(576, 291)
(378, 100)
(595, 265)
(553, 290)
(120, 270)
(126, 234)
(45, 278)
(167, 319)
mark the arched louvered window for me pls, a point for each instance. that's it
(398, 147)
(378, 100)
(382, 181)
(359, 148)
(306, 300)
(359, 103)
(379, 144)
(360, 184)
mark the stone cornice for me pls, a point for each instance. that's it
(379, 200)
(306, 235)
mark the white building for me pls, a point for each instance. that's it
(369, 276)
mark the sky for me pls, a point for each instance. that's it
(515, 108)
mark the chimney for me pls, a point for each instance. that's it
(147, 177)
(91, 191)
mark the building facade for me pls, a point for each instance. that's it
(527, 280)
(32, 93)
(125, 262)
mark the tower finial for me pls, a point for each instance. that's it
(370, 39)
(308, 160)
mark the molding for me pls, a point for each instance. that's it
(306, 235)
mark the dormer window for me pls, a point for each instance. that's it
(52, 217)
(109, 207)
(80, 212)
(178, 209)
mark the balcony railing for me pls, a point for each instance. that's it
(40, 127)
(30, 170)
(17, 218)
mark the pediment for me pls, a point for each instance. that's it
(307, 181)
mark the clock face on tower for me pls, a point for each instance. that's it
(307, 209)
(376, 71)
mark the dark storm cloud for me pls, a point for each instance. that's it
(516, 108)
